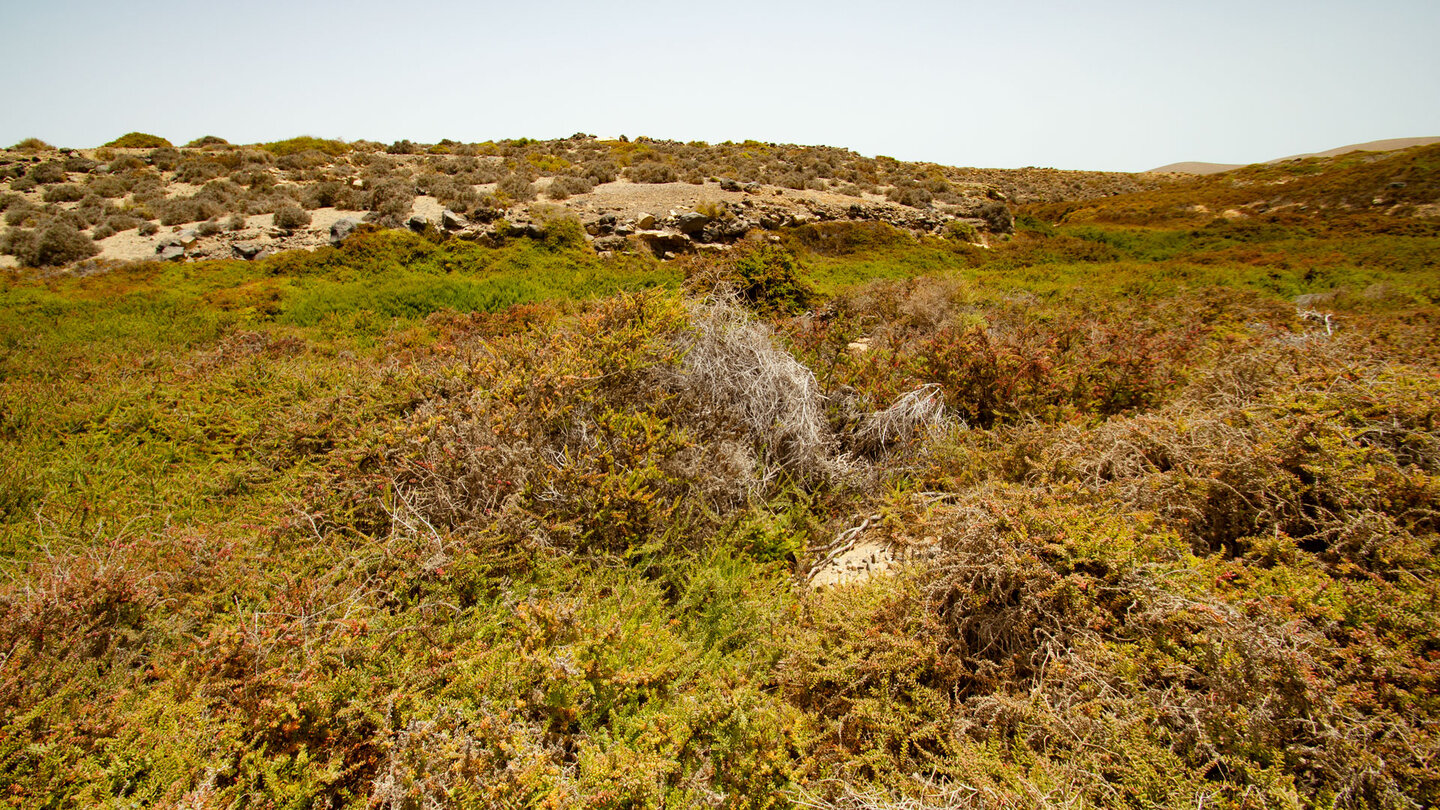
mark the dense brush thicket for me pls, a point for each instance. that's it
(409, 524)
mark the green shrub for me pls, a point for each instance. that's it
(308, 159)
(164, 158)
(516, 187)
(122, 222)
(207, 140)
(58, 243)
(563, 230)
(198, 171)
(602, 171)
(138, 140)
(291, 217)
(180, 210)
(961, 231)
(566, 184)
(21, 213)
(126, 163)
(32, 145)
(911, 195)
(652, 172)
(391, 200)
(64, 192)
(49, 172)
(106, 186)
(767, 278)
(305, 143)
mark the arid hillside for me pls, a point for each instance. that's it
(1396, 190)
(141, 198)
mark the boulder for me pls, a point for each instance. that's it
(418, 223)
(725, 230)
(611, 243)
(341, 230)
(663, 242)
(245, 250)
(690, 223)
(726, 184)
(452, 221)
(645, 222)
(170, 251)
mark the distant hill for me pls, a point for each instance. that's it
(1386, 190)
(1197, 167)
(1388, 145)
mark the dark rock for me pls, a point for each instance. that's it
(726, 184)
(602, 226)
(170, 252)
(692, 222)
(341, 230)
(418, 223)
(245, 250)
(736, 228)
(452, 221)
(612, 243)
(663, 242)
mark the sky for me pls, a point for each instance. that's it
(1104, 84)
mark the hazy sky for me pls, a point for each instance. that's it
(1103, 84)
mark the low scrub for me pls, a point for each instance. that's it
(1108, 518)
(138, 140)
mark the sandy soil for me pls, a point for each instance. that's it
(131, 246)
(867, 559)
(626, 199)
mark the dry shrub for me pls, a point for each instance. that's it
(1062, 625)
(565, 185)
(640, 419)
(574, 439)
(915, 412)
(1306, 439)
(733, 365)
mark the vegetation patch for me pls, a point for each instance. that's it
(416, 521)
